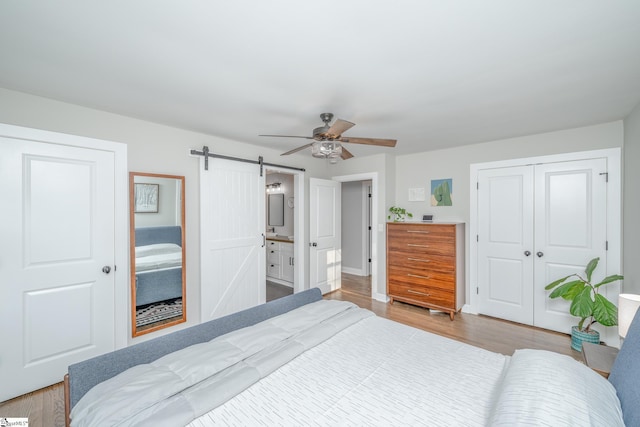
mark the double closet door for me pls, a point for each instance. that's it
(537, 223)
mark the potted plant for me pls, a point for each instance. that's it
(586, 303)
(398, 213)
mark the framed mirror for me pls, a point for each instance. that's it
(157, 251)
(276, 209)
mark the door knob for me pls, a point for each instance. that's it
(540, 254)
(314, 244)
(106, 269)
(527, 253)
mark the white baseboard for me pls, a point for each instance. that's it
(381, 297)
(467, 309)
(354, 271)
(280, 282)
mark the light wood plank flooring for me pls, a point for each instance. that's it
(45, 407)
(496, 335)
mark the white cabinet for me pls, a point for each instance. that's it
(280, 262)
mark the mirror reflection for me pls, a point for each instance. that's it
(276, 209)
(157, 251)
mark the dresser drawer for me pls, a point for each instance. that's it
(420, 239)
(422, 278)
(434, 297)
(443, 263)
(396, 230)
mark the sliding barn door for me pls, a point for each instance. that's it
(232, 221)
(57, 274)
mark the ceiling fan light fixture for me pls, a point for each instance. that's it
(326, 149)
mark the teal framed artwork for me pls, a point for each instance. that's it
(442, 192)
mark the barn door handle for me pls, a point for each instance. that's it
(527, 253)
(106, 269)
(540, 254)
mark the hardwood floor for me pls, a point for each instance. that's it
(496, 335)
(45, 407)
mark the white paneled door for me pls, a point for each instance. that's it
(56, 260)
(505, 223)
(570, 229)
(538, 223)
(325, 260)
(232, 218)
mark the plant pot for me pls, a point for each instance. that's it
(578, 337)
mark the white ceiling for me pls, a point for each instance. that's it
(430, 74)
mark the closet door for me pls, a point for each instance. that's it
(232, 214)
(57, 260)
(570, 229)
(538, 223)
(505, 243)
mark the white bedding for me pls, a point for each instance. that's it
(377, 372)
(158, 257)
(331, 363)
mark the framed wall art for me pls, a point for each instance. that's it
(146, 198)
(442, 192)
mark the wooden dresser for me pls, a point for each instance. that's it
(425, 264)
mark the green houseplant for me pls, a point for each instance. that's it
(398, 214)
(586, 303)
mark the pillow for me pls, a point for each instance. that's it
(545, 388)
(625, 374)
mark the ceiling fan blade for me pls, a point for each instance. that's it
(338, 128)
(370, 141)
(295, 150)
(346, 154)
(289, 136)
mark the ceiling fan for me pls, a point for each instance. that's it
(328, 140)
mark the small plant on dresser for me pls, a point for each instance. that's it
(398, 214)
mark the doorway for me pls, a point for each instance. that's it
(366, 186)
(282, 230)
(356, 233)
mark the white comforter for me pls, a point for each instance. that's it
(375, 373)
(158, 257)
(331, 363)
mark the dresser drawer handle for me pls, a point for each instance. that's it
(419, 277)
(417, 231)
(411, 291)
(419, 260)
(420, 246)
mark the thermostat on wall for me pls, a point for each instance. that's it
(427, 217)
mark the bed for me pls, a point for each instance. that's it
(302, 360)
(158, 264)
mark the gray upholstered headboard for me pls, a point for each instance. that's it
(84, 375)
(164, 234)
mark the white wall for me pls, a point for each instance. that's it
(631, 195)
(417, 170)
(151, 148)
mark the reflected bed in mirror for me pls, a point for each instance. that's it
(158, 254)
